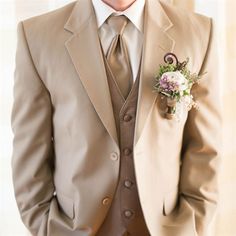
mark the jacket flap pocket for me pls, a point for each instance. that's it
(66, 205)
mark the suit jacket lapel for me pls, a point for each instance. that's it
(157, 42)
(85, 52)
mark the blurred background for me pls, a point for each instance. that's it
(223, 12)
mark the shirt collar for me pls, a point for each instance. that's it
(134, 12)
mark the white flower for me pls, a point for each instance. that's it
(174, 80)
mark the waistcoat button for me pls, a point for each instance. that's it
(127, 117)
(128, 213)
(127, 151)
(127, 183)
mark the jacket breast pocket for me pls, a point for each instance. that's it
(66, 205)
(170, 201)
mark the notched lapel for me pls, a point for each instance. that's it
(157, 42)
(85, 52)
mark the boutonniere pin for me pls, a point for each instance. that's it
(174, 82)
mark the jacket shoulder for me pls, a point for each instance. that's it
(51, 20)
(183, 17)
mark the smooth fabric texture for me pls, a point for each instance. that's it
(65, 150)
(117, 56)
(126, 199)
(133, 33)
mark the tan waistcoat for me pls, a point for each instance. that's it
(125, 216)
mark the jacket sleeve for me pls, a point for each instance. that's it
(202, 142)
(32, 155)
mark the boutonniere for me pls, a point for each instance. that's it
(174, 82)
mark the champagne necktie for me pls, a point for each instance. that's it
(117, 55)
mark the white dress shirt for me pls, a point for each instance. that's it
(132, 35)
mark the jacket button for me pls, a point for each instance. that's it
(106, 201)
(127, 151)
(114, 156)
(127, 117)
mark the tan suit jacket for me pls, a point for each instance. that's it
(66, 158)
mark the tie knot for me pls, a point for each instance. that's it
(117, 23)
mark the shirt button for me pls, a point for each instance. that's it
(114, 156)
(127, 117)
(128, 183)
(106, 201)
(127, 151)
(128, 213)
